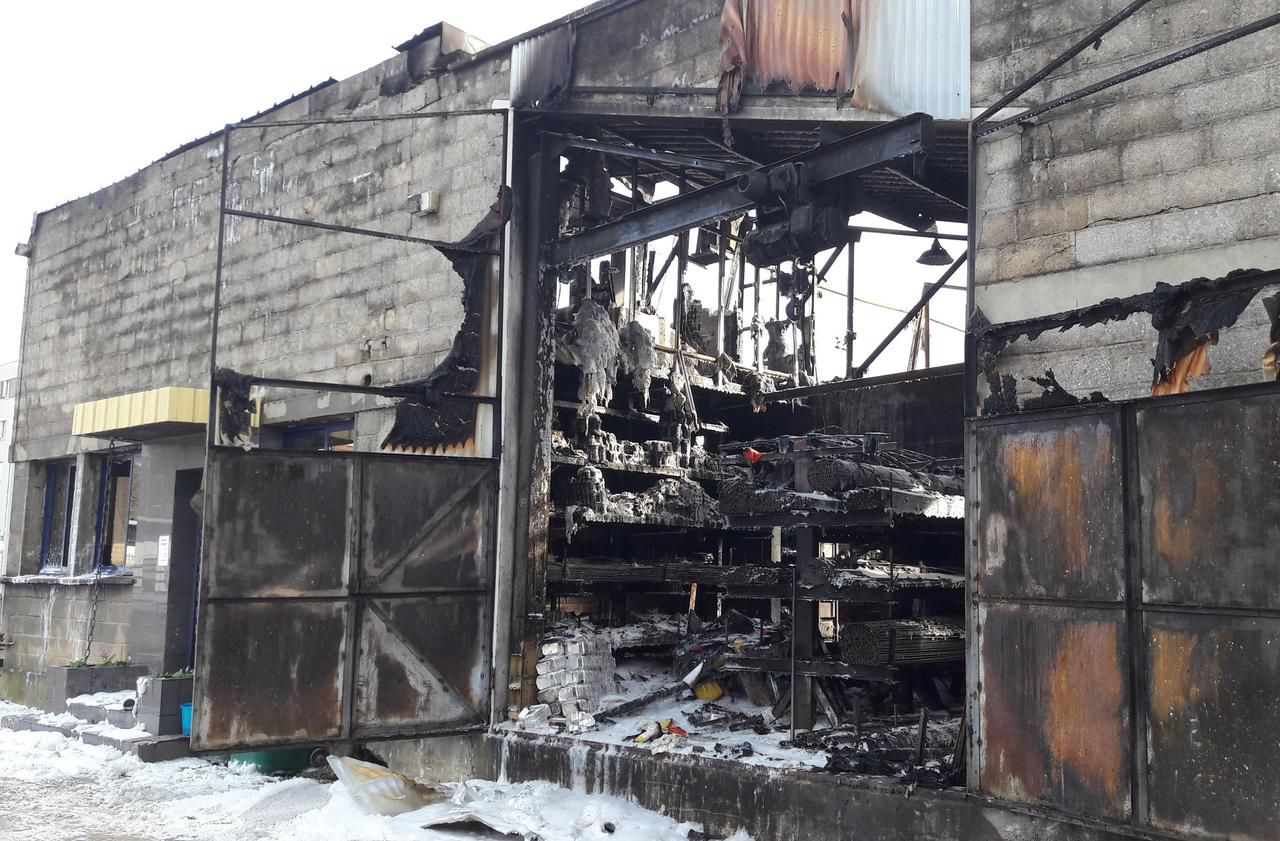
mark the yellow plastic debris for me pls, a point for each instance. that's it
(709, 691)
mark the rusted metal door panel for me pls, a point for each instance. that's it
(258, 685)
(427, 530)
(1050, 513)
(1210, 479)
(290, 512)
(423, 663)
(1055, 712)
(345, 596)
(1214, 724)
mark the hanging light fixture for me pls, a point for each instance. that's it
(935, 256)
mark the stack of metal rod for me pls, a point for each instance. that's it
(888, 642)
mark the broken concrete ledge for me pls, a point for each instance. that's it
(147, 749)
(771, 804)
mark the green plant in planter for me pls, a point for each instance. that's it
(180, 674)
(108, 661)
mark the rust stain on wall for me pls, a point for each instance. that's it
(1048, 470)
(1086, 690)
(1173, 684)
(1055, 716)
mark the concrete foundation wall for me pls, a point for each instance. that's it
(725, 796)
(48, 622)
(1167, 177)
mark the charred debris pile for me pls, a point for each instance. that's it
(713, 565)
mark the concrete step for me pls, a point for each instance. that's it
(145, 746)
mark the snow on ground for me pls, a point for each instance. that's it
(105, 700)
(57, 789)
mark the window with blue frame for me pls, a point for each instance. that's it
(117, 523)
(336, 436)
(59, 493)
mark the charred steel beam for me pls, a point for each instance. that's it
(364, 232)
(809, 668)
(395, 391)
(1094, 38)
(642, 154)
(944, 193)
(871, 149)
(1133, 73)
(929, 292)
(907, 233)
(1116, 309)
(838, 386)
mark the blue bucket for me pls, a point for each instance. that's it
(186, 719)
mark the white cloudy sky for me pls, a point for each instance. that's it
(99, 90)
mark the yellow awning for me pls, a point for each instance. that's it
(143, 414)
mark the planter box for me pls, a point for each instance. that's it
(63, 682)
(160, 700)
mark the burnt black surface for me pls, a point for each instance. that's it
(435, 421)
(924, 414)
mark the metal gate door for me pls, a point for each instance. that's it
(1126, 610)
(343, 596)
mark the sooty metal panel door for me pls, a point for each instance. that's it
(343, 596)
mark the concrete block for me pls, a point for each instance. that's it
(1053, 216)
(1252, 134)
(1240, 93)
(1036, 256)
(1164, 153)
(1117, 241)
(1073, 173)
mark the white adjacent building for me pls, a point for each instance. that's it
(8, 405)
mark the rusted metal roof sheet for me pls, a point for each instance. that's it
(804, 43)
(897, 56)
(542, 67)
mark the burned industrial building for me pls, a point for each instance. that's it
(586, 464)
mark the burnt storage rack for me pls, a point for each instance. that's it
(876, 579)
(669, 327)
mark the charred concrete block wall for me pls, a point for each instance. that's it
(120, 285)
(647, 44)
(1166, 177)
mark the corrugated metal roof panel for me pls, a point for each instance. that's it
(542, 66)
(913, 55)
